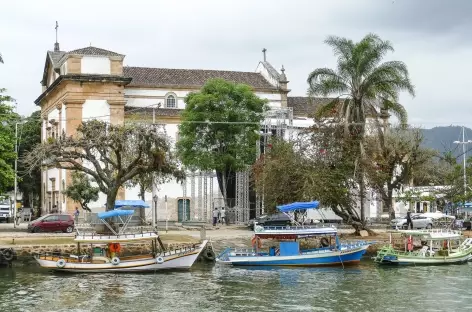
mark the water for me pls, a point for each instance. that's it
(221, 288)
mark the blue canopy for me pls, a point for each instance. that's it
(131, 203)
(114, 213)
(299, 206)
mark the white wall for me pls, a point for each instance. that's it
(95, 65)
(63, 121)
(53, 173)
(97, 109)
(265, 73)
(159, 95)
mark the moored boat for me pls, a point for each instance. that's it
(290, 252)
(438, 247)
(104, 255)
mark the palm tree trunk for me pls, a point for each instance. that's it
(362, 196)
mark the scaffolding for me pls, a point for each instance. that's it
(277, 123)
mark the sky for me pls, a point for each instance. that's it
(431, 36)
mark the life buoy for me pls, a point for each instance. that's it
(256, 241)
(160, 260)
(115, 247)
(324, 242)
(8, 255)
(115, 261)
(410, 243)
(61, 263)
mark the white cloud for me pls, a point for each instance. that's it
(429, 36)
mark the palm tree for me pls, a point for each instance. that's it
(363, 87)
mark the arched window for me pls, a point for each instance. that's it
(171, 101)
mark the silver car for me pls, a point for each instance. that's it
(419, 222)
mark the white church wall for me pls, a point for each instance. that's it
(96, 109)
(95, 65)
(52, 174)
(63, 121)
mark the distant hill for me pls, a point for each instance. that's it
(442, 139)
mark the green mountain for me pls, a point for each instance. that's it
(442, 139)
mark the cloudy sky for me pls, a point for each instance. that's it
(431, 36)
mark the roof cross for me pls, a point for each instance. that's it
(264, 53)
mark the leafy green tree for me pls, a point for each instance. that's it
(81, 190)
(396, 161)
(29, 183)
(111, 154)
(363, 87)
(304, 170)
(220, 127)
(8, 118)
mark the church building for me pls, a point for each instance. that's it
(93, 83)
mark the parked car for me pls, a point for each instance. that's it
(5, 210)
(277, 219)
(52, 223)
(419, 222)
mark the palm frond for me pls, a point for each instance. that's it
(325, 81)
(325, 110)
(397, 110)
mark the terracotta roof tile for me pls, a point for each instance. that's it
(94, 51)
(305, 106)
(193, 78)
(168, 112)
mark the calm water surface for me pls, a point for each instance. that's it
(220, 288)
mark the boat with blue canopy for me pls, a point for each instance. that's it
(104, 253)
(290, 250)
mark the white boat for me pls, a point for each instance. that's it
(105, 256)
(439, 248)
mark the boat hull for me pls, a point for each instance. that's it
(411, 260)
(327, 258)
(182, 261)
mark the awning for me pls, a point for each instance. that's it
(299, 206)
(114, 213)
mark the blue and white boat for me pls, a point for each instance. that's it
(289, 252)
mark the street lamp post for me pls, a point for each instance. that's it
(16, 174)
(464, 152)
(154, 210)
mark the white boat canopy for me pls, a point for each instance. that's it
(432, 234)
(100, 238)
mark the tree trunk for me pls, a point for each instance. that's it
(362, 196)
(388, 202)
(224, 176)
(142, 192)
(111, 198)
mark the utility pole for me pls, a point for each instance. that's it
(16, 175)
(154, 178)
(464, 157)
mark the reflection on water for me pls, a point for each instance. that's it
(221, 288)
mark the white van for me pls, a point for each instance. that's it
(5, 210)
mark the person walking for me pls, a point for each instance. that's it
(408, 220)
(76, 215)
(215, 216)
(223, 216)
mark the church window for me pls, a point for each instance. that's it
(171, 101)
